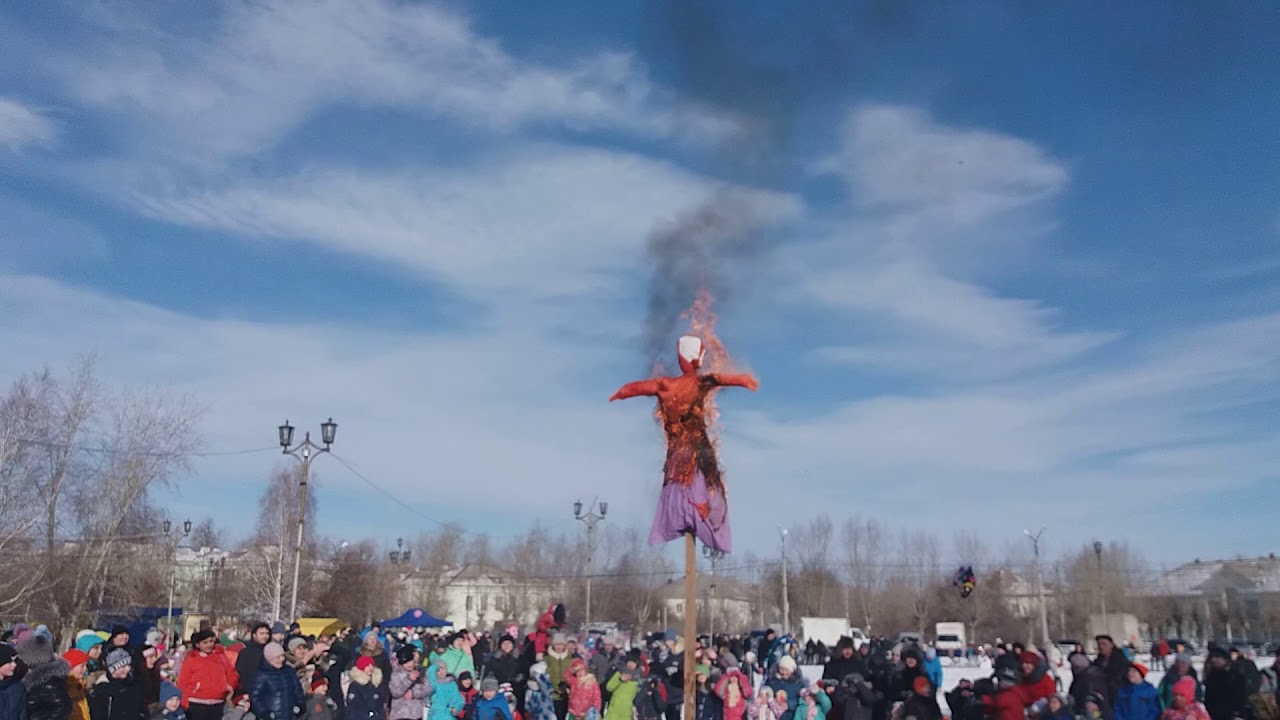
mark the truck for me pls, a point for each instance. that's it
(828, 631)
(949, 639)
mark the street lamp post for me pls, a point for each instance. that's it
(590, 518)
(786, 597)
(303, 452)
(1102, 592)
(173, 577)
(215, 567)
(399, 555)
(1044, 617)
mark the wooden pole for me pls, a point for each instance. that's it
(690, 624)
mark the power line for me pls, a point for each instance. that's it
(146, 453)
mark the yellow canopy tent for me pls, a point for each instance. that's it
(316, 627)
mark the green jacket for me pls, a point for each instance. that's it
(622, 697)
(824, 707)
(556, 668)
(455, 661)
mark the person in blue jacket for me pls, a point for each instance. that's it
(490, 705)
(446, 699)
(1138, 700)
(933, 666)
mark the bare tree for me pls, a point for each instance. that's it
(863, 549)
(920, 569)
(274, 539)
(146, 438)
(207, 535)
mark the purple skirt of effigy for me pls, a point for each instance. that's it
(682, 508)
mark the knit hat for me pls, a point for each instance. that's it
(35, 650)
(363, 663)
(1182, 658)
(1007, 674)
(489, 683)
(155, 637)
(844, 642)
(921, 684)
(278, 628)
(272, 650)
(7, 654)
(1142, 669)
(787, 663)
(118, 630)
(405, 654)
(85, 643)
(117, 659)
(237, 699)
(294, 642)
(1028, 657)
(1185, 688)
(559, 638)
(169, 690)
(1078, 661)
(702, 670)
(318, 681)
(75, 657)
(930, 653)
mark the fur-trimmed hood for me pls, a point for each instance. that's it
(55, 670)
(360, 677)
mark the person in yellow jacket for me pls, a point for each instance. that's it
(79, 662)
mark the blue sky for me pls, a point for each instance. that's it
(1019, 264)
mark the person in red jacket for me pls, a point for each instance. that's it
(1036, 683)
(1006, 702)
(206, 678)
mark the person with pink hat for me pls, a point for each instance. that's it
(1184, 705)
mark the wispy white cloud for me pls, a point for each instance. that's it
(266, 66)
(550, 221)
(21, 126)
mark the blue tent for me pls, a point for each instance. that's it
(418, 618)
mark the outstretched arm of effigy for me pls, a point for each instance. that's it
(636, 389)
(734, 380)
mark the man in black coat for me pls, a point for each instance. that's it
(45, 681)
(1086, 679)
(843, 664)
(1224, 687)
(1114, 665)
(120, 697)
(250, 658)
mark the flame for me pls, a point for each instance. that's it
(702, 323)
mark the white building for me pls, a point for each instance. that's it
(478, 596)
(724, 604)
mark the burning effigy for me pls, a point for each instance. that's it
(693, 495)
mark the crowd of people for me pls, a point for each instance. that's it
(274, 672)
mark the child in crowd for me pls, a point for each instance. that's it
(171, 702)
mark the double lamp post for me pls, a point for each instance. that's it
(303, 452)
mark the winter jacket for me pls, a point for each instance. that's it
(505, 667)
(47, 695)
(820, 708)
(538, 704)
(247, 663)
(13, 699)
(650, 700)
(557, 665)
(1092, 680)
(1137, 702)
(1037, 686)
(274, 693)
(206, 679)
(366, 695)
(853, 699)
(1224, 693)
(1195, 711)
(456, 661)
(603, 665)
(734, 710)
(408, 698)
(967, 706)
(1005, 704)
(583, 697)
(117, 700)
(933, 670)
(622, 697)
(921, 708)
(1116, 669)
(495, 709)
(79, 699)
(792, 686)
(446, 701)
(706, 706)
(320, 707)
(1169, 680)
